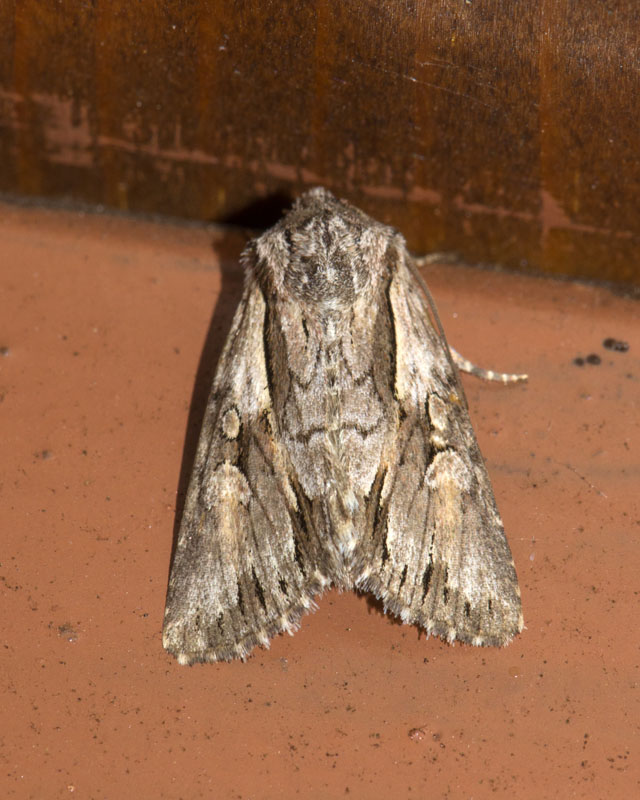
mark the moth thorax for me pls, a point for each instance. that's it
(326, 267)
(328, 284)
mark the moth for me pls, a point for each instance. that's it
(336, 450)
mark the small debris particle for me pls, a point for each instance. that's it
(616, 344)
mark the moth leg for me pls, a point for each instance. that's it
(465, 365)
(460, 361)
(443, 257)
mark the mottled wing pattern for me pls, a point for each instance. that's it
(242, 570)
(437, 556)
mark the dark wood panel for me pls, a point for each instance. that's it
(507, 132)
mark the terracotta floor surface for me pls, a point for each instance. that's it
(110, 330)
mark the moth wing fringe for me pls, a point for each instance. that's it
(288, 622)
(433, 627)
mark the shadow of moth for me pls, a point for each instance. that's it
(336, 449)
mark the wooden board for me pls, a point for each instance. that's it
(506, 132)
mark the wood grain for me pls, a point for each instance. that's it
(506, 132)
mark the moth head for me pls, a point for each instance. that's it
(324, 253)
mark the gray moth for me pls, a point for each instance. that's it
(336, 450)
